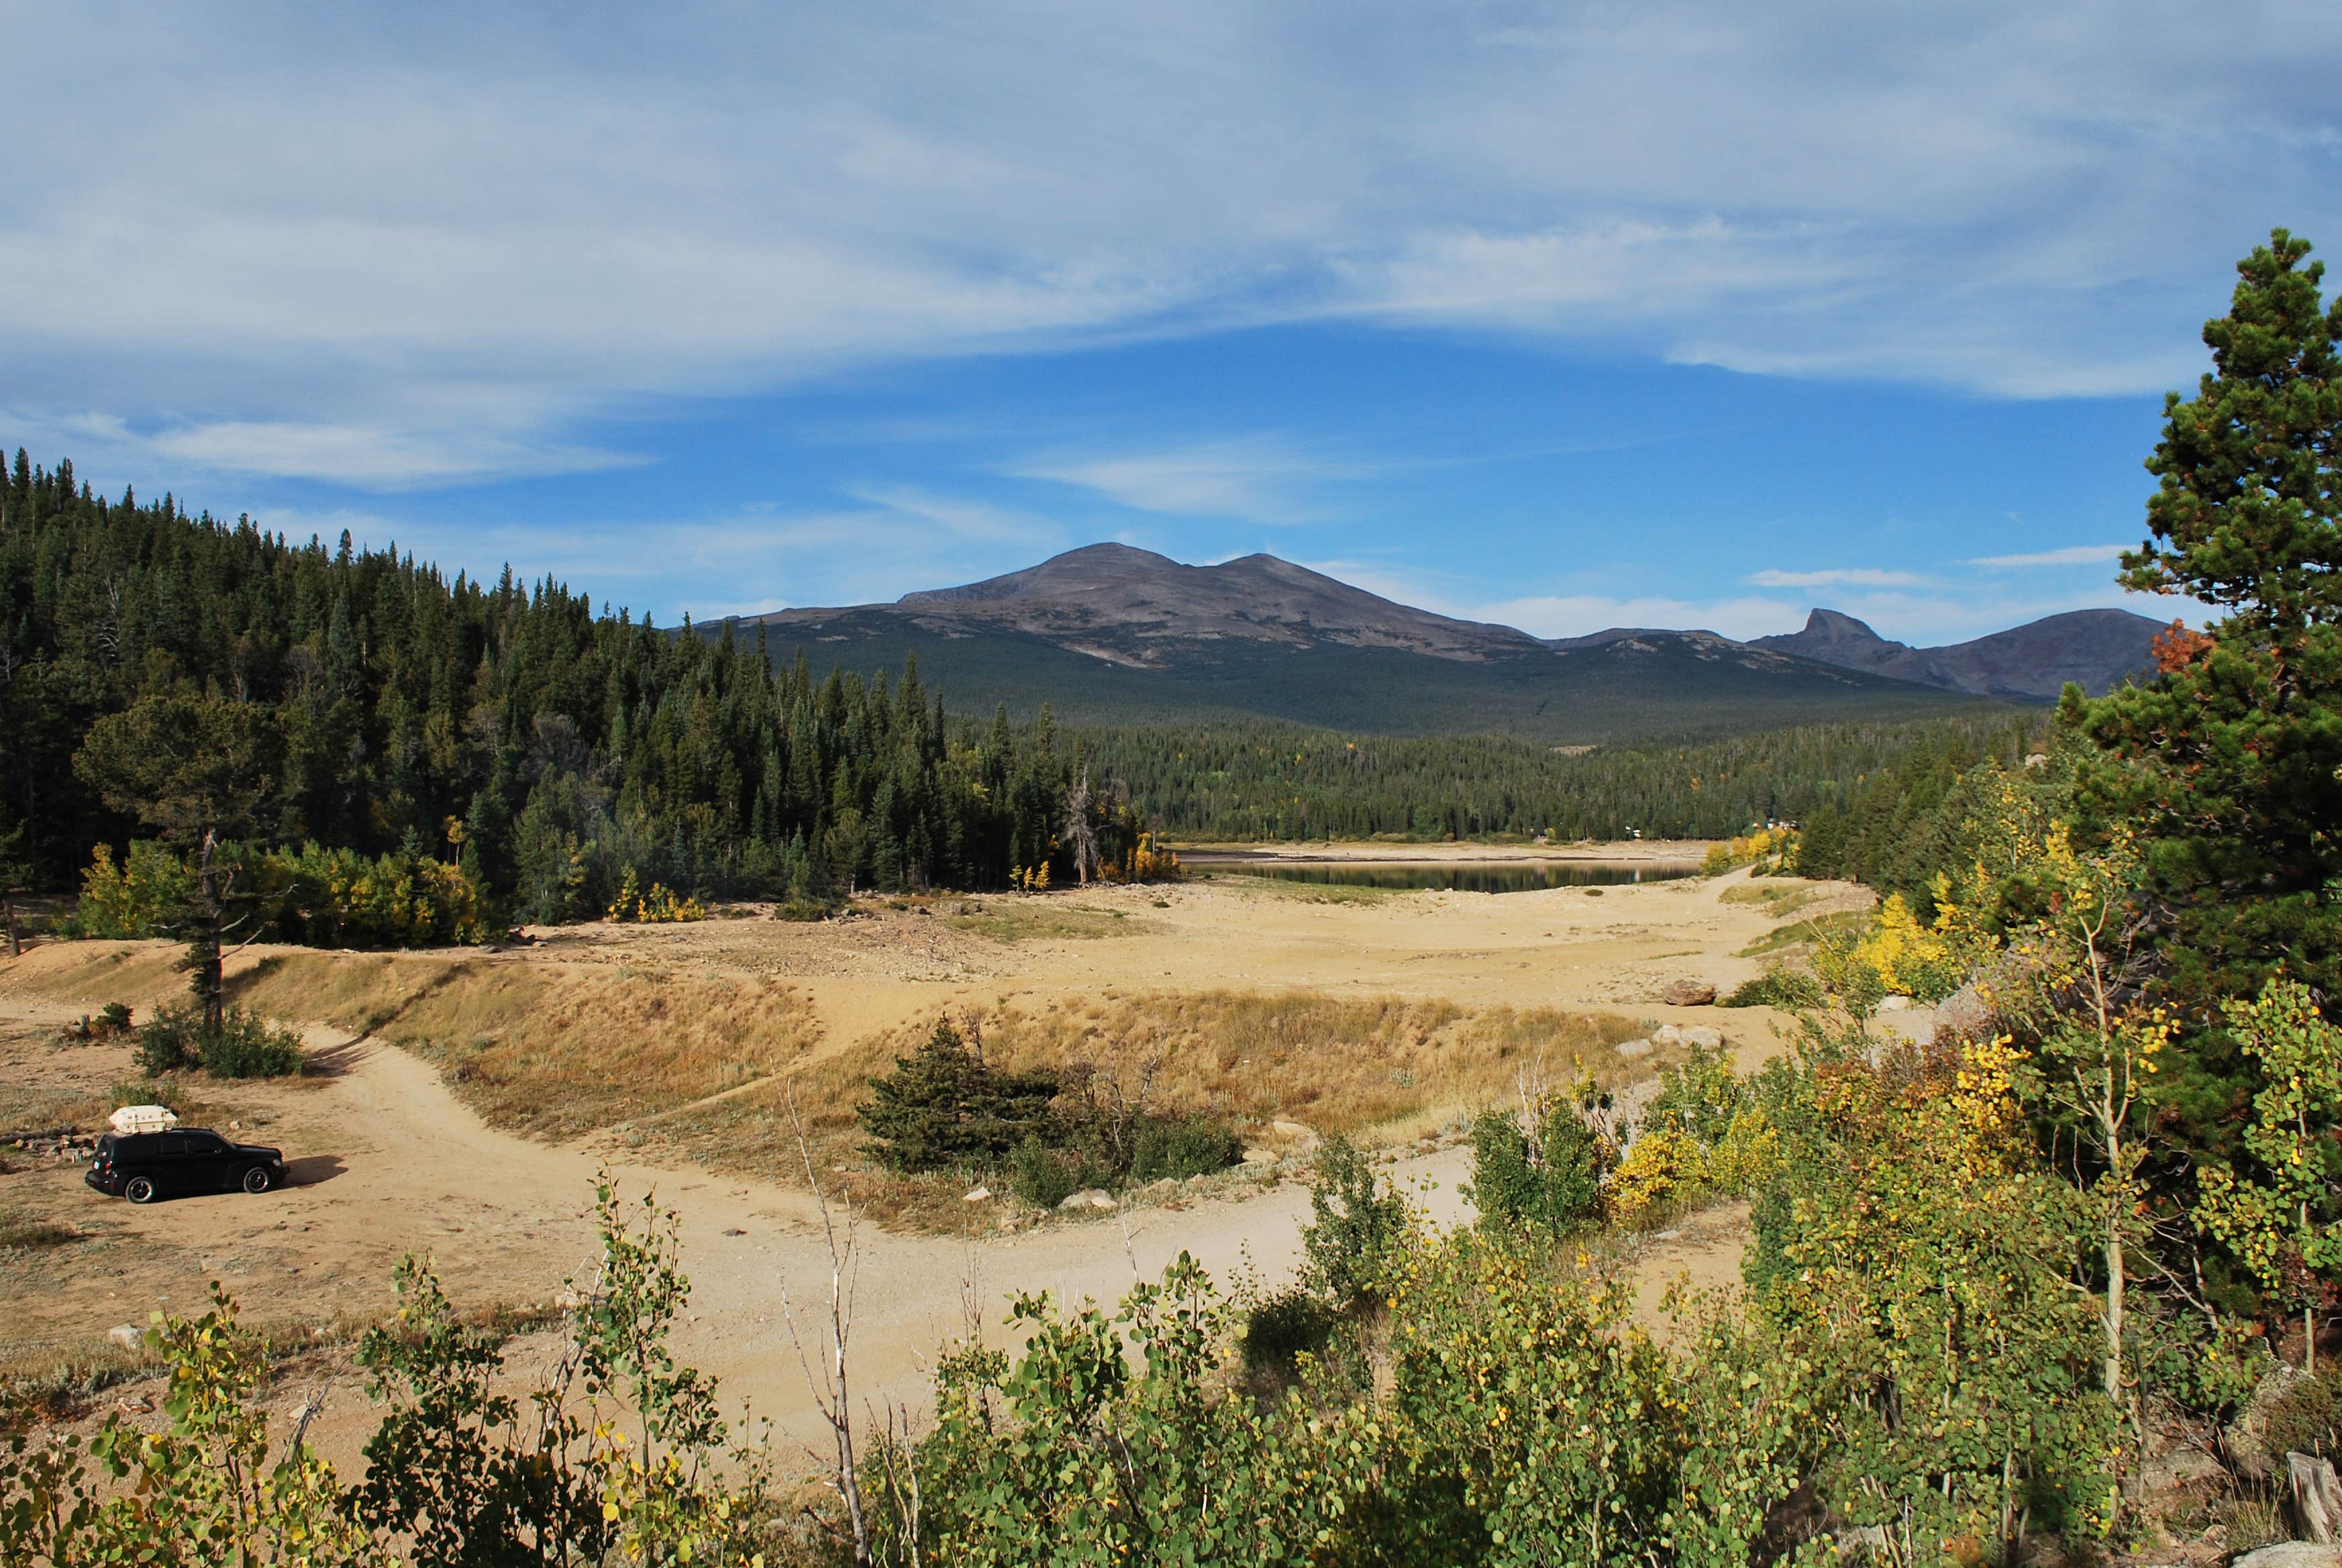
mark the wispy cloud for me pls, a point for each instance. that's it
(368, 235)
(1849, 576)
(2071, 555)
(1254, 478)
(881, 541)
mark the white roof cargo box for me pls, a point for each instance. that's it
(143, 1118)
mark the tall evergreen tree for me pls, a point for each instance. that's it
(2233, 760)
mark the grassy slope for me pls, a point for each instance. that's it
(1593, 696)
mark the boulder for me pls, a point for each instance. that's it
(1258, 1156)
(1630, 1049)
(1965, 1011)
(1290, 1130)
(1668, 1035)
(2246, 1439)
(2291, 1555)
(976, 1195)
(128, 1335)
(1894, 1004)
(1688, 993)
(1088, 1198)
(2176, 1468)
(1701, 1035)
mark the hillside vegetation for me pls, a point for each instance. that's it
(372, 704)
(1267, 781)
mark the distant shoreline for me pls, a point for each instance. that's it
(1687, 852)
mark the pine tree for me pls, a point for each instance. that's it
(946, 1106)
(2233, 760)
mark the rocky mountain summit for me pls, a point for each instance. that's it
(1132, 606)
(1114, 635)
(2098, 649)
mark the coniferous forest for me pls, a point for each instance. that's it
(1269, 781)
(550, 750)
(553, 752)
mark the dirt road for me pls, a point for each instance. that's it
(411, 1168)
(390, 1160)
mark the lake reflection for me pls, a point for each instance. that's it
(1497, 877)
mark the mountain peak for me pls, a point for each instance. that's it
(2096, 648)
(1128, 605)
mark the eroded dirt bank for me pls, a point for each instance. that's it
(392, 1159)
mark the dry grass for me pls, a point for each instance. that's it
(1009, 919)
(24, 1233)
(1383, 1067)
(1780, 898)
(1338, 1063)
(1804, 933)
(1296, 892)
(550, 1050)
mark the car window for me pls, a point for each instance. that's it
(108, 1147)
(172, 1144)
(206, 1144)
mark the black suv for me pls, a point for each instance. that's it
(144, 1166)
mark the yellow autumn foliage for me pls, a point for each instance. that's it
(1664, 1168)
(1768, 844)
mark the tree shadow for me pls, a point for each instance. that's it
(335, 1061)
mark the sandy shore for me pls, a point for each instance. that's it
(1684, 851)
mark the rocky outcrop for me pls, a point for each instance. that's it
(2098, 649)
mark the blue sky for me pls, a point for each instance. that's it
(1563, 315)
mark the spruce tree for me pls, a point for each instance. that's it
(946, 1106)
(2232, 760)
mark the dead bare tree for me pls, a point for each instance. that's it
(1081, 832)
(828, 1374)
(832, 1387)
(1111, 1105)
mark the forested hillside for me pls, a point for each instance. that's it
(553, 749)
(1287, 782)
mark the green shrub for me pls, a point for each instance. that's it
(1042, 1176)
(167, 1041)
(1548, 1177)
(246, 1045)
(115, 1017)
(1177, 1148)
(2306, 1418)
(1776, 987)
(1356, 1226)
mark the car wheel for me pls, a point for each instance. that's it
(139, 1191)
(258, 1179)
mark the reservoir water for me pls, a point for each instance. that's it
(1466, 876)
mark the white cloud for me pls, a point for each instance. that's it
(2072, 556)
(764, 558)
(328, 244)
(1855, 576)
(1254, 478)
